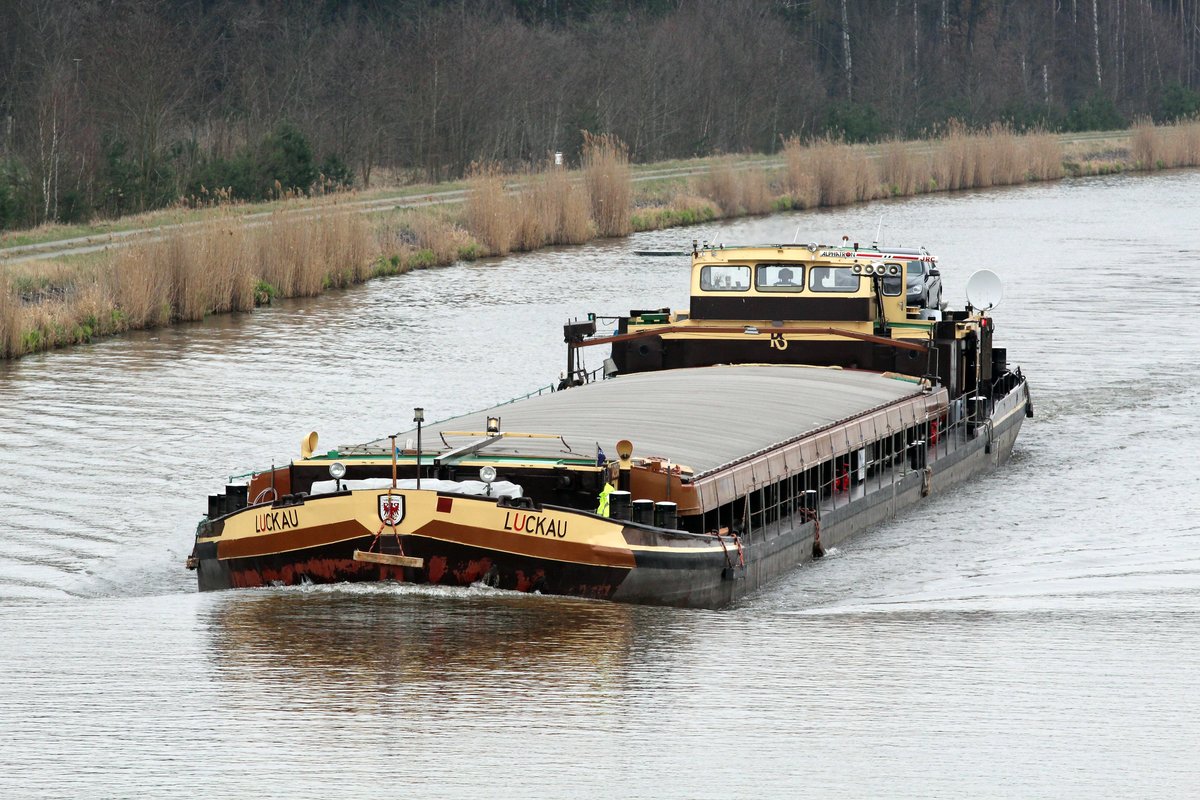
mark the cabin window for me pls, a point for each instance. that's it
(725, 278)
(832, 279)
(893, 285)
(779, 277)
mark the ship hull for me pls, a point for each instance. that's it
(464, 541)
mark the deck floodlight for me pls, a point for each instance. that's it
(487, 474)
(337, 470)
(418, 415)
(857, 269)
(493, 424)
(894, 269)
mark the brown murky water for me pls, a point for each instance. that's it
(1033, 634)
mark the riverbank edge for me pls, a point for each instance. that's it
(821, 174)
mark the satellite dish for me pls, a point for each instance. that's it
(984, 289)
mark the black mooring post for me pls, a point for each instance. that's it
(418, 417)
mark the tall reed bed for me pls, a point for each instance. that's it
(609, 182)
(552, 208)
(438, 240)
(829, 172)
(547, 208)
(1166, 147)
(229, 266)
(566, 206)
(186, 275)
(10, 319)
(491, 211)
(736, 190)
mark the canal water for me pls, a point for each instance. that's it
(1034, 634)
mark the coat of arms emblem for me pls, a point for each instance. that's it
(391, 508)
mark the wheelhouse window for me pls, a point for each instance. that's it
(832, 279)
(725, 278)
(779, 277)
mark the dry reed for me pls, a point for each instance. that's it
(899, 170)
(997, 156)
(843, 174)
(736, 191)
(545, 209)
(1166, 147)
(347, 247)
(442, 238)
(800, 180)
(226, 265)
(1043, 156)
(568, 205)
(1145, 145)
(830, 172)
(491, 212)
(10, 320)
(609, 183)
(1189, 143)
(141, 288)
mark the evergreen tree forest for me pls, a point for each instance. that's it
(109, 107)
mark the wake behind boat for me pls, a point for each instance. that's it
(798, 400)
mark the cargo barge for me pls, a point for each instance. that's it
(798, 400)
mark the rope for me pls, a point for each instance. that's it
(737, 541)
(384, 524)
(811, 515)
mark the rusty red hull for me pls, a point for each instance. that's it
(445, 564)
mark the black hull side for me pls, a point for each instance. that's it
(784, 547)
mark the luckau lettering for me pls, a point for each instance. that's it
(274, 521)
(534, 524)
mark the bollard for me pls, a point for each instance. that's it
(916, 454)
(664, 515)
(643, 511)
(619, 504)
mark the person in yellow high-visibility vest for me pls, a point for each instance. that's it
(602, 509)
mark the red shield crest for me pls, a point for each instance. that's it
(391, 509)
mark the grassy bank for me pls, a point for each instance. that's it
(234, 259)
